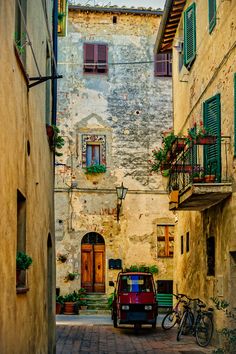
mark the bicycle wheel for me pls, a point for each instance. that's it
(204, 330)
(169, 320)
(182, 325)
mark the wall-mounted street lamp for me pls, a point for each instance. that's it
(121, 193)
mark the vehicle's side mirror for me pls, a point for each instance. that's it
(111, 283)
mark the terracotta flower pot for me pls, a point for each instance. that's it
(69, 308)
(58, 308)
(210, 178)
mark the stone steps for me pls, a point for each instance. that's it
(97, 302)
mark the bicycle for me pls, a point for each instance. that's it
(173, 316)
(187, 320)
(203, 325)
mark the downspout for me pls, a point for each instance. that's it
(54, 69)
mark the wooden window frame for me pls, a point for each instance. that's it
(94, 66)
(189, 36)
(93, 145)
(167, 239)
(164, 61)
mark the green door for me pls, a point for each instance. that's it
(212, 153)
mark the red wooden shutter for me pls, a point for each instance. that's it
(89, 57)
(161, 64)
(102, 57)
(170, 64)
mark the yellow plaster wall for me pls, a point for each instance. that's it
(211, 73)
(27, 324)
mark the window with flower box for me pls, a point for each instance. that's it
(93, 150)
(165, 240)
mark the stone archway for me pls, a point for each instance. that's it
(93, 263)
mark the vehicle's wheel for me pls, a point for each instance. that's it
(204, 331)
(169, 320)
(115, 320)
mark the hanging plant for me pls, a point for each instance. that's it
(55, 140)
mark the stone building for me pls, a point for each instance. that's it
(26, 179)
(113, 105)
(202, 38)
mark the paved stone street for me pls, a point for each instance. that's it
(96, 335)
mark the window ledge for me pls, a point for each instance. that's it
(22, 289)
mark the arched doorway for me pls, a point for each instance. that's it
(93, 263)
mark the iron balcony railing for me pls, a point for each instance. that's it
(201, 163)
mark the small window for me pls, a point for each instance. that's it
(187, 242)
(114, 19)
(95, 58)
(212, 14)
(163, 64)
(92, 155)
(165, 240)
(211, 256)
(165, 286)
(93, 150)
(190, 35)
(182, 245)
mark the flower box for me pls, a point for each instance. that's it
(178, 145)
(206, 140)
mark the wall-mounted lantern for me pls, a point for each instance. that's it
(121, 193)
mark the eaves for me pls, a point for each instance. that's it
(171, 17)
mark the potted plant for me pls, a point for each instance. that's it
(59, 304)
(71, 276)
(198, 174)
(55, 140)
(83, 304)
(210, 178)
(161, 157)
(62, 257)
(23, 262)
(69, 303)
(200, 135)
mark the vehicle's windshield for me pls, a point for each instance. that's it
(136, 283)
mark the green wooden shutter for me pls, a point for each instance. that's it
(212, 14)
(189, 35)
(235, 114)
(212, 153)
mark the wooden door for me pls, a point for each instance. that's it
(93, 267)
(99, 273)
(87, 267)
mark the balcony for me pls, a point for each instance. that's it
(199, 175)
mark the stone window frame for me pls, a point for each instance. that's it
(96, 139)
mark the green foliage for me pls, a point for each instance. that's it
(143, 268)
(198, 131)
(228, 333)
(220, 304)
(60, 16)
(110, 300)
(95, 169)
(58, 141)
(23, 261)
(71, 276)
(75, 296)
(60, 299)
(161, 155)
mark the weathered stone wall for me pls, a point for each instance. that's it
(212, 72)
(27, 320)
(130, 107)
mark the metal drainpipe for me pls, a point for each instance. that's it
(55, 49)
